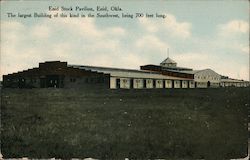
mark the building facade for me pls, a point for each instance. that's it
(56, 74)
(206, 78)
(140, 79)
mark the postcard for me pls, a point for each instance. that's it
(108, 79)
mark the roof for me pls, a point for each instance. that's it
(177, 68)
(232, 80)
(128, 73)
(196, 71)
(151, 66)
(100, 68)
(186, 71)
(168, 60)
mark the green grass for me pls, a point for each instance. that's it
(115, 124)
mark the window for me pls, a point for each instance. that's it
(72, 79)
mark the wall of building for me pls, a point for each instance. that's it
(214, 85)
(138, 83)
(234, 84)
(177, 84)
(55, 75)
(113, 83)
(86, 82)
(60, 75)
(168, 84)
(158, 83)
(125, 83)
(201, 84)
(207, 78)
(191, 84)
(184, 84)
(149, 83)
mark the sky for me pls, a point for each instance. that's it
(199, 35)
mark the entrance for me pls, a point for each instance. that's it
(208, 84)
(52, 81)
(118, 83)
(21, 83)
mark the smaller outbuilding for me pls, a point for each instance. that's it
(229, 82)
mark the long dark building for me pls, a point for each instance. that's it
(55, 74)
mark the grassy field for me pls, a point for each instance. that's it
(115, 124)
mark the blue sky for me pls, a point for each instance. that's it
(199, 35)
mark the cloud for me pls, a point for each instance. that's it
(180, 29)
(244, 73)
(72, 40)
(83, 41)
(204, 60)
(149, 25)
(150, 42)
(132, 60)
(169, 25)
(84, 27)
(194, 60)
(234, 27)
(245, 49)
(40, 31)
(12, 32)
(60, 51)
(115, 31)
(233, 37)
(151, 48)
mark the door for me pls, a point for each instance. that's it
(118, 83)
(52, 81)
(208, 84)
(43, 82)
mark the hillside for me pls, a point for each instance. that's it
(115, 124)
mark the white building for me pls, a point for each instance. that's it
(205, 78)
(233, 83)
(165, 75)
(139, 79)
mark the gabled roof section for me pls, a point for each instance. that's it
(197, 71)
(168, 61)
(119, 72)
